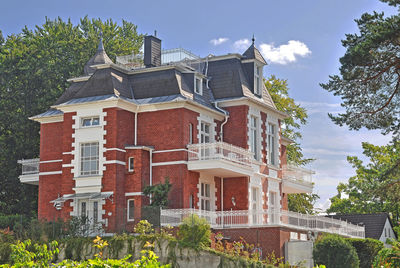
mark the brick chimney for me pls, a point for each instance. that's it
(152, 51)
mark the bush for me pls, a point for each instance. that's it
(194, 232)
(388, 257)
(366, 250)
(335, 252)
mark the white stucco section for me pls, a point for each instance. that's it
(88, 184)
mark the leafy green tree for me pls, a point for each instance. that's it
(376, 185)
(159, 193)
(279, 91)
(34, 68)
(369, 80)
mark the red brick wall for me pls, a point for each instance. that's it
(235, 130)
(270, 239)
(237, 187)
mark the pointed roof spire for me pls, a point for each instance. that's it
(253, 53)
(99, 58)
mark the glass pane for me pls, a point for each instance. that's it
(95, 121)
(86, 166)
(95, 211)
(207, 128)
(207, 190)
(131, 209)
(207, 203)
(83, 209)
(86, 122)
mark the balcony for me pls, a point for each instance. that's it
(221, 159)
(296, 179)
(30, 171)
(265, 218)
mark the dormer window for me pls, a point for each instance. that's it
(198, 85)
(90, 121)
(258, 79)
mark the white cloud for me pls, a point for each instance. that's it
(241, 44)
(284, 54)
(219, 41)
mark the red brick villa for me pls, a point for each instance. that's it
(208, 124)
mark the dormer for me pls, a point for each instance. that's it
(254, 63)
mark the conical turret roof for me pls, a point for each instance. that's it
(253, 53)
(100, 57)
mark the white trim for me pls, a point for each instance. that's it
(50, 161)
(134, 194)
(131, 168)
(199, 90)
(259, 103)
(170, 163)
(48, 119)
(127, 210)
(68, 153)
(116, 149)
(172, 150)
(67, 165)
(50, 173)
(114, 162)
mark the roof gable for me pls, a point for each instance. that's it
(253, 53)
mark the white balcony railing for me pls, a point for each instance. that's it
(297, 174)
(250, 218)
(29, 166)
(219, 151)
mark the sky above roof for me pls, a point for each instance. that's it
(300, 40)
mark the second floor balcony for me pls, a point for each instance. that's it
(296, 179)
(30, 171)
(220, 158)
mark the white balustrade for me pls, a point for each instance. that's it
(298, 174)
(29, 166)
(220, 150)
(260, 218)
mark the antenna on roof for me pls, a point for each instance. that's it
(101, 46)
(253, 39)
(155, 33)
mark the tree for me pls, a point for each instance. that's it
(279, 91)
(376, 185)
(369, 80)
(34, 68)
(158, 193)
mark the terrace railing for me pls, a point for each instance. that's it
(259, 218)
(29, 166)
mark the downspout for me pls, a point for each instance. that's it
(136, 113)
(221, 132)
(151, 169)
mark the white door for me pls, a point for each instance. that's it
(89, 209)
(255, 200)
(204, 140)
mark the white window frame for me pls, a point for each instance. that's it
(254, 136)
(272, 144)
(205, 197)
(92, 120)
(204, 135)
(128, 215)
(131, 166)
(258, 78)
(198, 89)
(91, 158)
(190, 133)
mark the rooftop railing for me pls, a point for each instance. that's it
(29, 166)
(260, 218)
(219, 151)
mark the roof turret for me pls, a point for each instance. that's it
(99, 58)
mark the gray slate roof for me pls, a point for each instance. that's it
(228, 78)
(253, 53)
(373, 223)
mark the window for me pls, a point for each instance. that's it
(271, 144)
(198, 85)
(95, 211)
(83, 209)
(273, 207)
(131, 210)
(257, 79)
(254, 204)
(90, 158)
(205, 196)
(90, 121)
(191, 201)
(254, 139)
(190, 133)
(204, 132)
(131, 164)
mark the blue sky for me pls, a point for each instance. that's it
(299, 39)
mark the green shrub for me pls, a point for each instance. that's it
(388, 257)
(366, 249)
(194, 232)
(335, 252)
